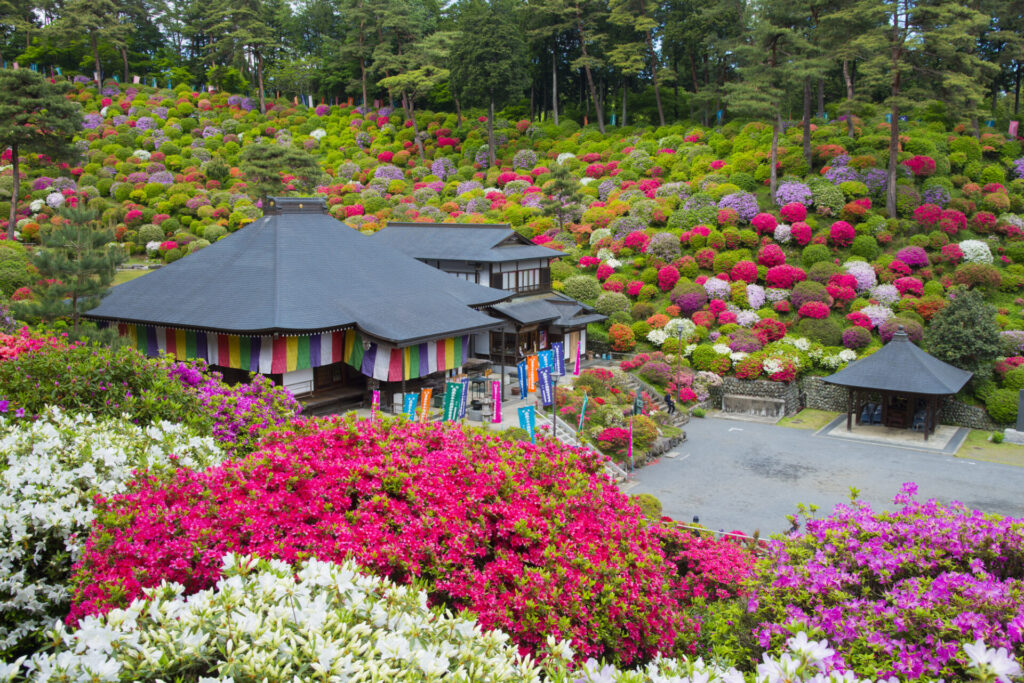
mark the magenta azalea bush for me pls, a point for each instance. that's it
(896, 593)
(533, 539)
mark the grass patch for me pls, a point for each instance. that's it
(808, 418)
(977, 447)
(123, 276)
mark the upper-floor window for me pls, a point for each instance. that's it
(522, 276)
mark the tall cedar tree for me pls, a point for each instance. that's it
(920, 48)
(243, 26)
(419, 73)
(97, 19)
(34, 117)
(767, 73)
(76, 266)
(633, 56)
(489, 58)
(264, 164)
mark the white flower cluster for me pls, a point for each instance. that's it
(657, 336)
(605, 254)
(267, 620)
(834, 361)
(613, 262)
(318, 133)
(586, 180)
(55, 467)
(36, 205)
(152, 247)
(976, 251)
(564, 157)
(782, 233)
(773, 364)
(141, 154)
(722, 349)
(675, 325)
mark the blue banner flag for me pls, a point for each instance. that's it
(583, 412)
(521, 367)
(544, 380)
(546, 358)
(558, 354)
(465, 397)
(526, 421)
(410, 405)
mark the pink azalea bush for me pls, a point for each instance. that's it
(534, 539)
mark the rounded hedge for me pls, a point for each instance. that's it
(1002, 405)
(826, 331)
(581, 287)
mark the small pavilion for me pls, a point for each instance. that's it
(908, 382)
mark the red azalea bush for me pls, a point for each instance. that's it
(952, 221)
(637, 241)
(622, 337)
(770, 255)
(784, 276)
(13, 345)
(842, 233)
(927, 215)
(668, 276)
(534, 539)
(764, 223)
(814, 309)
(801, 233)
(744, 270)
(794, 212)
(588, 261)
(909, 285)
(604, 271)
(921, 166)
(983, 221)
(769, 330)
(952, 253)
(634, 287)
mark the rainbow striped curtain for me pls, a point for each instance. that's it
(269, 355)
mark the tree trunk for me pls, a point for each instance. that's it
(849, 96)
(458, 111)
(623, 101)
(773, 173)
(96, 56)
(259, 80)
(821, 98)
(586, 70)
(411, 114)
(975, 127)
(654, 78)
(894, 140)
(532, 104)
(124, 56)
(490, 134)
(1016, 91)
(806, 123)
(12, 218)
(554, 83)
(362, 70)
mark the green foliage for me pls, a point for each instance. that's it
(825, 331)
(263, 165)
(582, 287)
(611, 302)
(965, 334)
(1002, 405)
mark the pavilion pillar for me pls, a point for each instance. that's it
(849, 409)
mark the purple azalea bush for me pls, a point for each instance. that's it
(897, 593)
(744, 203)
(792, 191)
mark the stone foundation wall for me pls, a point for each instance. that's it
(955, 412)
(759, 388)
(821, 395)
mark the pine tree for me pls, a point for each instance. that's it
(243, 26)
(489, 58)
(34, 117)
(766, 76)
(634, 55)
(420, 71)
(589, 15)
(97, 19)
(563, 196)
(76, 266)
(263, 164)
(965, 334)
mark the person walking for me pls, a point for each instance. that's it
(669, 403)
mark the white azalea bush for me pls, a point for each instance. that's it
(319, 621)
(976, 251)
(52, 469)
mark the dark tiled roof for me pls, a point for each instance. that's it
(902, 367)
(485, 243)
(553, 307)
(301, 271)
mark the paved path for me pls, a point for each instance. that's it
(746, 476)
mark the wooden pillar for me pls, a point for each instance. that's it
(849, 409)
